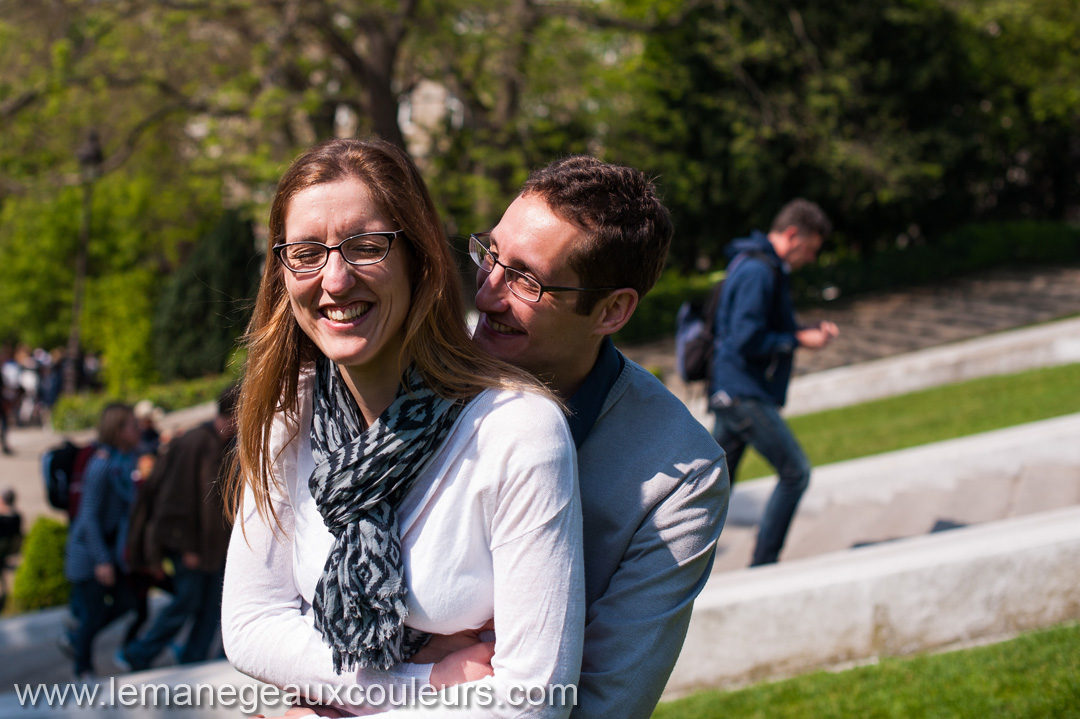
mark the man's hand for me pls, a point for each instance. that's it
(105, 574)
(817, 337)
(465, 665)
(442, 645)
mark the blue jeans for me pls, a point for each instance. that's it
(197, 596)
(95, 606)
(759, 424)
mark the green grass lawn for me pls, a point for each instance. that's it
(931, 416)
(1033, 676)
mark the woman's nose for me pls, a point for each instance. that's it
(337, 275)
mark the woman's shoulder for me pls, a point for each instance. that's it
(513, 410)
(514, 428)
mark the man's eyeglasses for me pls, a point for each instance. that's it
(368, 248)
(521, 284)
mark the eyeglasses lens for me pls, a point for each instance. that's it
(365, 250)
(304, 257)
(522, 285)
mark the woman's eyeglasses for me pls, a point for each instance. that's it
(367, 248)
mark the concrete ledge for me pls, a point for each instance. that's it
(929, 592)
(1048, 345)
(941, 465)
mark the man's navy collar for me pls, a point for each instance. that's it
(587, 402)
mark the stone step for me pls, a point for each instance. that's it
(981, 499)
(909, 514)
(927, 593)
(1044, 487)
(735, 548)
(834, 529)
(967, 481)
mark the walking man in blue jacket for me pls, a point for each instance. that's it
(756, 337)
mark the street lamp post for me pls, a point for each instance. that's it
(90, 160)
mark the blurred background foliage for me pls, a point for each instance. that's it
(910, 121)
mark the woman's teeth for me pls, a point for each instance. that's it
(344, 314)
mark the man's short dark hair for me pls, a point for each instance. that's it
(805, 215)
(228, 399)
(628, 230)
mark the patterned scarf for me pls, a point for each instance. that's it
(360, 477)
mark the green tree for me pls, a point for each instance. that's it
(904, 118)
(137, 232)
(206, 303)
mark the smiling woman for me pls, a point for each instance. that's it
(396, 485)
(354, 314)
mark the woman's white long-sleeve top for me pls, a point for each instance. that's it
(492, 528)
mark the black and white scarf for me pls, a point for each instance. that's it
(360, 477)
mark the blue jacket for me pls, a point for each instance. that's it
(99, 533)
(755, 326)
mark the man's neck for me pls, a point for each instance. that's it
(567, 382)
(587, 402)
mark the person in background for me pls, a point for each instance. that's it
(756, 338)
(11, 534)
(180, 516)
(94, 556)
(149, 434)
(9, 383)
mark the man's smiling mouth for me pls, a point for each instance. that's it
(503, 329)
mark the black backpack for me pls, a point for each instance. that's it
(694, 323)
(694, 338)
(62, 468)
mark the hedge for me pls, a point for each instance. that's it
(39, 579)
(74, 412)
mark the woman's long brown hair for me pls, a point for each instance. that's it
(436, 338)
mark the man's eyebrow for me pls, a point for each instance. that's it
(522, 267)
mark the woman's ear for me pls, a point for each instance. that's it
(615, 310)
